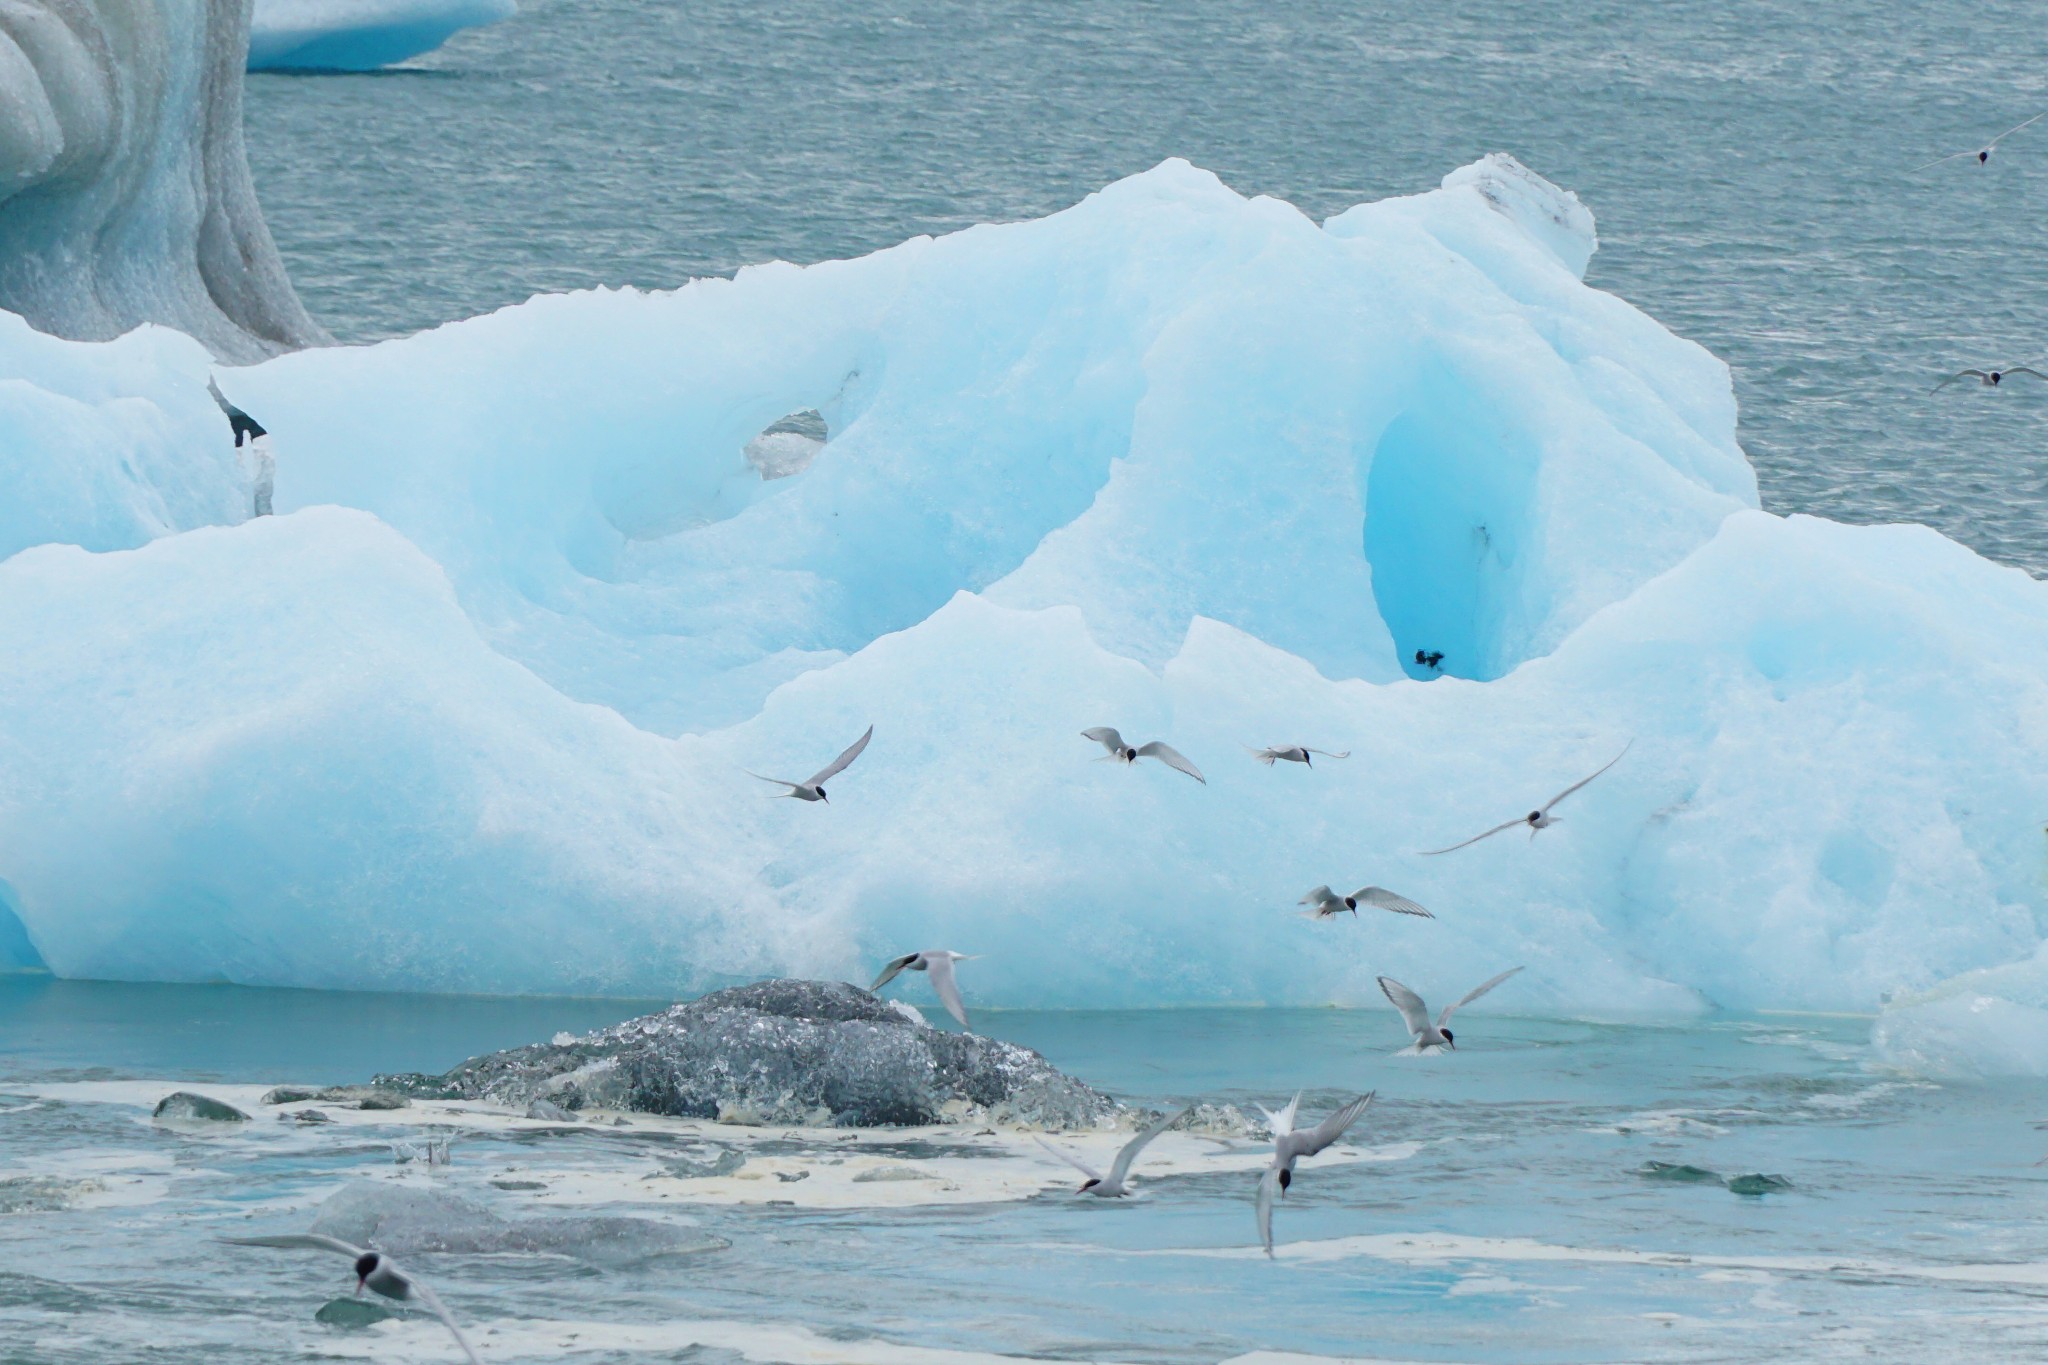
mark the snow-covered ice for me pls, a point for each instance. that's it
(359, 35)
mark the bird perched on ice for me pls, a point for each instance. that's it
(1430, 659)
(1116, 1184)
(1990, 379)
(1293, 753)
(1982, 154)
(936, 963)
(1535, 819)
(1416, 1014)
(814, 789)
(241, 423)
(1290, 1144)
(1109, 739)
(1327, 904)
(374, 1271)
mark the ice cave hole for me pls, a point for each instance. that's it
(787, 445)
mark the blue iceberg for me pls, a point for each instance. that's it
(359, 35)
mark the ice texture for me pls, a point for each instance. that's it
(781, 1052)
(124, 193)
(359, 35)
(474, 712)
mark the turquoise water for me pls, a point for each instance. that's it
(1900, 1195)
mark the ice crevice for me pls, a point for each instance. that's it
(544, 582)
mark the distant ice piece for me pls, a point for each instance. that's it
(359, 35)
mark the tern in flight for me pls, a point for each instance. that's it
(374, 1271)
(814, 790)
(1116, 1184)
(1982, 154)
(1990, 379)
(1416, 1014)
(1290, 1144)
(1293, 753)
(1109, 739)
(1535, 819)
(938, 963)
(1327, 904)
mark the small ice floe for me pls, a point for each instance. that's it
(186, 1107)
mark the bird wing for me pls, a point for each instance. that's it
(940, 970)
(1413, 1011)
(1389, 900)
(1952, 156)
(1327, 754)
(1269, 1185)
(838, 765)
(1322, 895)
(1431, 853)
(892, 971)
(299, 1241)
(1472, 995)
(440, 1310)
(2014, 129)
(1332, 1128)
(1584, 780)
(1960, 374)
(793, 786)
(1172, 758)
(1122, 1166)
(1282, 1123)
(2024, 369)
(1107, 736)
(1265, 756)
(1083, 1167)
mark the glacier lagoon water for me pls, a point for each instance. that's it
(1504, 1213)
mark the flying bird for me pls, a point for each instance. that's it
(1293, 753)
(1416, 1014)
(245, 427)
(1328, 904)
(938, 963)
(374, 1271)
(1535, 819)
(1115, 1185)
(1982, 154)
(1109, 739)
(814, 789)
(1990, 379)
(1290, 1144)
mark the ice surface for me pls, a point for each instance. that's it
(359, 35)
(124, 193)
(406, 1220)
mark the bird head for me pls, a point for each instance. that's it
(1130, 755)
(1351, 904)
(1286, 1179)
(1983, 156)
(1534, 816)
(823, 797)
(1308, 760)
(1449, 1042)
(366, 1266)
(1088, 1185)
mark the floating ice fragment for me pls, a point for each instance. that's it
(185, 1106)
(359, 35)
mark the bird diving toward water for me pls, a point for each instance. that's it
(374, 1271)
(1989, 379)
(1116, 1184)
(1416, 1014)
(936, 963)
(1109, 739)
(1292, 753)
(1982, 154)
(1327, 904)
(1290, 1144)
(1535, 819)
(245, 427)
(814, 789)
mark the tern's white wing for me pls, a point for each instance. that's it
(838, 765)
(776, 780)
(1269, 1185)
(2014, 129)
(1389, 900)
(1282, 1123)
(1413, 1012)
(1172, 758)
(1107, 736)
(1327, 754)
(1472, 995)
(1584, 780)
(892, 971)
(1265, 756)
(1431, 853)
(1332, 1128)
(2024, 369)
(1122, 1166)
(940, 968)
(1322, 895)
(299, 1241)
(1952, 156)
(1083, 1167)
(1960, 374)
(439, 1310)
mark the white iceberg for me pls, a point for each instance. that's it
(359, 35)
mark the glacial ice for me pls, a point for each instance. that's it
(359, 35)
(472, 713)
(124, 193)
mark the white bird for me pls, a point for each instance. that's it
(1982, 154)
(1109, 739)
(1415, 1014)
(1535, 819)
(938, 964)
(1291, 1144)
(1115, 1185)
(1990, 379)
(1328, 903)
(374, 1271)
(814, 789)
(1292, 753)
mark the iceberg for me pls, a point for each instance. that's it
(474, 712)
(359, 35)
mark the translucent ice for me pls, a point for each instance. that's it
(359, 35)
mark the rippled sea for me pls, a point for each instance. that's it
(1750, 165)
